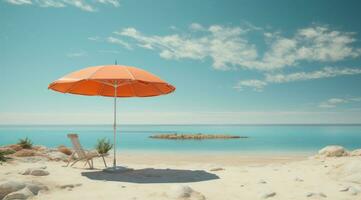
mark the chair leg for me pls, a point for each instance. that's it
(71, 156)
(89, 164)
(75, 162)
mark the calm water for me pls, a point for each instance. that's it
(262, 138)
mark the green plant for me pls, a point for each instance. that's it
(7, 152)
(103, 146)
(2, 157)
(25, 143)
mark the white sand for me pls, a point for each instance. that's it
(290, 177)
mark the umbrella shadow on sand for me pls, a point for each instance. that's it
(151, 175)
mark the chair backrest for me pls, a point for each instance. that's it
(76, 145)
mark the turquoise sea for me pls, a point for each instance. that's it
(262, 138)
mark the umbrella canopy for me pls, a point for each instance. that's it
(101, 81)
(112, 81)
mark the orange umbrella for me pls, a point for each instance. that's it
(112, 81)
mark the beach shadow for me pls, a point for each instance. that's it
(151, 175)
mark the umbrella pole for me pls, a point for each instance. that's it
(115, 125)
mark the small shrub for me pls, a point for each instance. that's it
(2, 157)
(103, 146)
(25, 143)
(7, 152)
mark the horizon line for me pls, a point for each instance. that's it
(198, 124)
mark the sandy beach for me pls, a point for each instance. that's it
(218, 176)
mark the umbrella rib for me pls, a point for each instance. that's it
(130, 73)
(101, 89)
(95, 72)
(72, 86)
(154, 85)
(132, 86)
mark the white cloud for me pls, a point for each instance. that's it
(109, 51)
(119, 42)
(231, 47)
(196, 27)
(19, 2)
(86, 5)
(326, 72)
(333, 102)
(81, 4)
(94, 38)
(223, 45)
(317, 43)
(77, 54)
(257, 85)
(115, 3)
(50, 3)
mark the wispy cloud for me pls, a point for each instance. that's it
(222, 44)
(19, 2)
(109, 51)
(326, 72)
(334, 102)
(231, 47)
(119, 42)
(196, 27)
(257, 85)
(94, 38)
(77, 54)
(85, 5)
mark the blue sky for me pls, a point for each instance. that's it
(231, 61)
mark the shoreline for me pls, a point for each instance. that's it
(258, 153)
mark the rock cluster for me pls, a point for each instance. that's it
(20, 190)
(198, 136)
(37, 153)
(40, 171)
(337, 151)
(333, 151)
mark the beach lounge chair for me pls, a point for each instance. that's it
(82, 155)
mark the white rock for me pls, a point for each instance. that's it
(344, 189)
(313, 194)
(268, 194)
(333, 151)
(217, 169)
(356, 152)
(39, 171)
(57, 156)
(19, 195)
(349, 171)
(353, 191)
(9, 187)
(72, 186)
(298, 179)
(181, 191)
(185, 192)
(35, 187)
(262, 181)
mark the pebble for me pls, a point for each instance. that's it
(268, 195)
